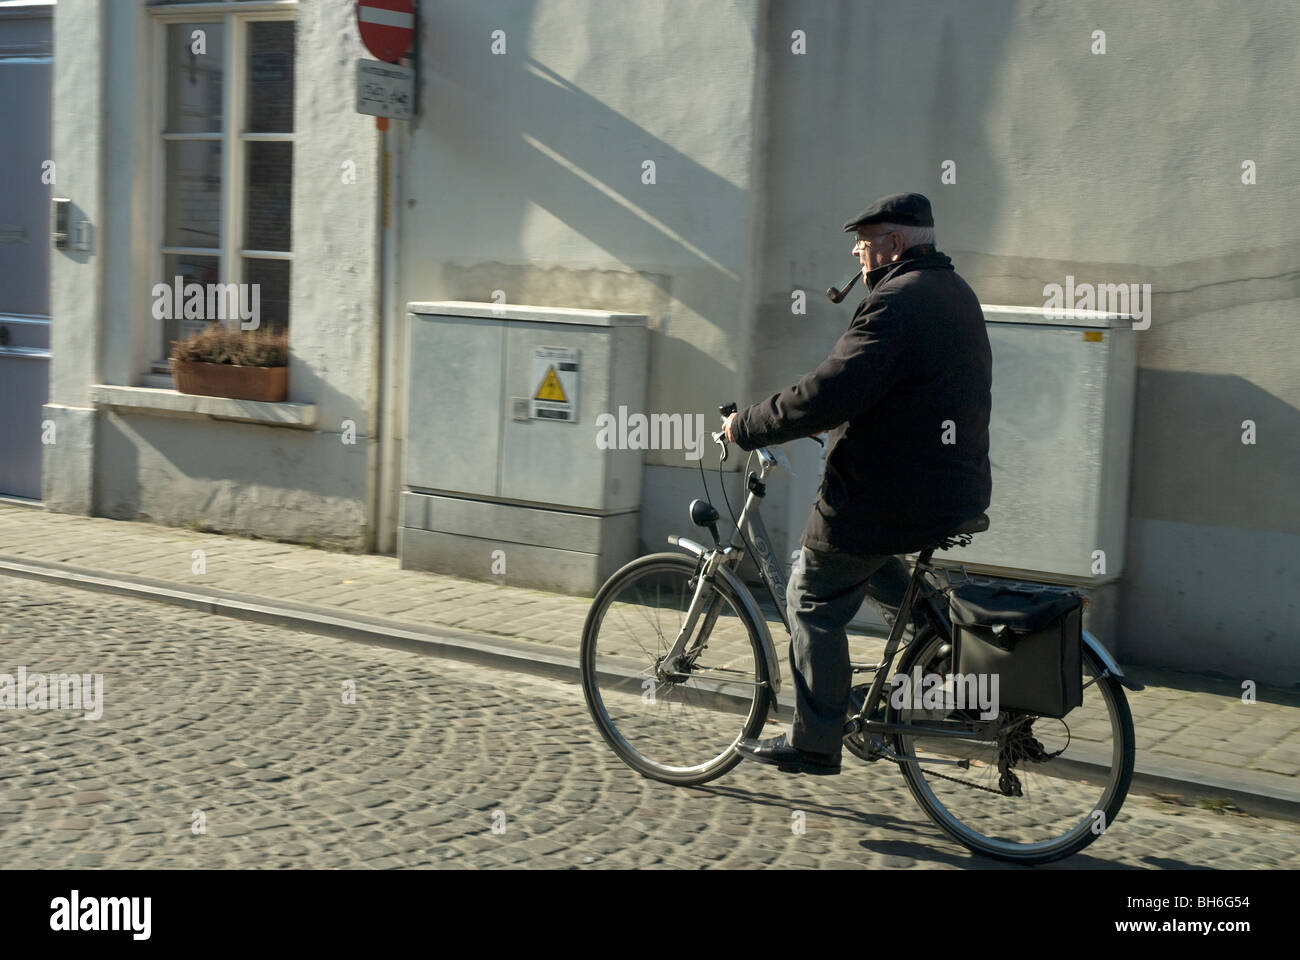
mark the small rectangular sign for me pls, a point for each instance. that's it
(554, 387)
(385, 89)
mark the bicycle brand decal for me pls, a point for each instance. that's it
(768, 560)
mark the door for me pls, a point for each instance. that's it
(26, 44)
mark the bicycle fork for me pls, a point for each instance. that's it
(679, 656)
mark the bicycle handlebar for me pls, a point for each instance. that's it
(726, 410)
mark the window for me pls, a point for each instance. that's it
(226, 157)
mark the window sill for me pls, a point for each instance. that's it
(170, 403)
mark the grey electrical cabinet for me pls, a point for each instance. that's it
(1060, 438)
(504, 478)
(1060, 442)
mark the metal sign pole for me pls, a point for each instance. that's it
(415, 65)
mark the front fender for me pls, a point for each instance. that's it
(751, 609)
(1110, 663)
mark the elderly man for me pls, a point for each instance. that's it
(905, 394)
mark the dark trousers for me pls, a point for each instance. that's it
(825, 591)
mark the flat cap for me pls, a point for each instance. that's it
(908, 209)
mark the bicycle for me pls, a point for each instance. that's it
(674, 706)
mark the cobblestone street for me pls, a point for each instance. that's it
(246, 725)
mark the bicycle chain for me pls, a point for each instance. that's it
(964, 783)
(944, 776)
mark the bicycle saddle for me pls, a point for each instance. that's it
(973, 525)
(962, 535)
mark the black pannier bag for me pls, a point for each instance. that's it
(1029, 636)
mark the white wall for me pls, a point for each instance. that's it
(1122, 167)
(1118, 167)
(524, 174)
(242, 478)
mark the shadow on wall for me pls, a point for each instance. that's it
(1191, 465)
(844, 129)
(885, 95)
(543, 141)
(541, 146)
(1214, 529)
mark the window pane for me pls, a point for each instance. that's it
(201, 270)
(270, 76)
(194, 80)
(272, 278)
(267, 188)
(192, 213)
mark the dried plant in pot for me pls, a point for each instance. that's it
(218, 361)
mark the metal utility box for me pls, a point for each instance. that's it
(503, 477)
(1060, 441)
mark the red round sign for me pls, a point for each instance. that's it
(387, 27)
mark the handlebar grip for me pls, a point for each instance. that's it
(727, 409)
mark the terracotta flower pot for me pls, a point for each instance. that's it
(227, 380)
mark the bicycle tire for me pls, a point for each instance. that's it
(645, 568)
(1116, 790)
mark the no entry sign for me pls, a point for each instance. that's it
(387, 27)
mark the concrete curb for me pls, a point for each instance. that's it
(1249, 791)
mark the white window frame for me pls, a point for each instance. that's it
(235, 17)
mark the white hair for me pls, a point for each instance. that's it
(911, 235)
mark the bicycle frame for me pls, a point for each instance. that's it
(722, 563)
(751, 531)
(754, 530)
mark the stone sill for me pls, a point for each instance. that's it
(171, 403)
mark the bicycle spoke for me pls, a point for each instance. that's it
(649, 656)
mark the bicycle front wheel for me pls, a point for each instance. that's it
(678, 726)
(1043, 789)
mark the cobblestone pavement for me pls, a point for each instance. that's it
(246, 725)
(1178, 718)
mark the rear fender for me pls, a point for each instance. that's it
(1110, 663)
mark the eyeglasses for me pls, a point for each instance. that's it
(871, 241)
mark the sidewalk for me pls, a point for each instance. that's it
(1196, 739)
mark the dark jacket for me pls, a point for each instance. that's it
(915, 355)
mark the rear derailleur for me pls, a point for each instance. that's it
(1016, 742)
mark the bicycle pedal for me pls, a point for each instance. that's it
(876, 750)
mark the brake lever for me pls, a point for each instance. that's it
(720, 439)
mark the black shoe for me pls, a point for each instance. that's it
(788, 759)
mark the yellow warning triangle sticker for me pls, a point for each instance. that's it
(550, 388)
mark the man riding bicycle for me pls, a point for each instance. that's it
(905, 394)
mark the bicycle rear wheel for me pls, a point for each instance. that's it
(1058, 804)
(683, 728)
